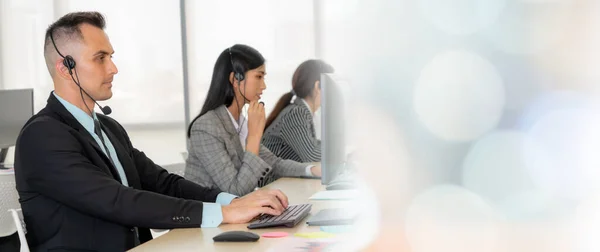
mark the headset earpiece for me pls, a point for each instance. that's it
(239, 76)
(69, 62)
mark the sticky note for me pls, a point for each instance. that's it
(315, 235)
(275, 234)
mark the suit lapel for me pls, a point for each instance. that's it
(125, 160)
(69, 119)
(111, 168)
(223, 115)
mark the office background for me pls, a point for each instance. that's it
(476, 122)
(149, 95)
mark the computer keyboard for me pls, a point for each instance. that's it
(289, 218)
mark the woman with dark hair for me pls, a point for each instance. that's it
(224, 147)
(290, 132)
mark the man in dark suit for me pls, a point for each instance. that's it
(82, 185)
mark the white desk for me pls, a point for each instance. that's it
(197, 239)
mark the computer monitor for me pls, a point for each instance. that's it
(333, 120)
(16, 107)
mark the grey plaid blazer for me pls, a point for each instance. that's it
(217, 159)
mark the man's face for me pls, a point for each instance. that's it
(94, 65)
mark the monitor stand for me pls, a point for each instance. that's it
(3, 152)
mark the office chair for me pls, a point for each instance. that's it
(19, 222)
(8, 199)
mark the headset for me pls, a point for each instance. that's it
(237, 75)
(69, 63)
(240, 77)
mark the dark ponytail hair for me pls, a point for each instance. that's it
(303, 83)
(237, 59)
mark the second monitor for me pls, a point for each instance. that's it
(16, 107)
(333, 127)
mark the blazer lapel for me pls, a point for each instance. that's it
(125, 160)
(69, 119)
(223, 115)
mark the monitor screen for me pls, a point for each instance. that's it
(333, 120)
(16, 107)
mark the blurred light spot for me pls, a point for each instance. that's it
(447, 218)
(366, 227)
(530, 26)
(531, 206)
(379, 150)
(586, 226)
(495, 167)
(551, 101)
(566, 143)
(459, 96)
(461, 17)
(579, 48)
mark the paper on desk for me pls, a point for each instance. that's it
(335, 195)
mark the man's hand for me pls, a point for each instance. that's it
(244, 209)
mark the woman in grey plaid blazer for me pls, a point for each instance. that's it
(224, 147)
(290, 131)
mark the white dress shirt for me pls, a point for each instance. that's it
(243, 133)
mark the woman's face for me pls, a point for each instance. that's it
(253, 84)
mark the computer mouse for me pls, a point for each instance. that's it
(236, 236)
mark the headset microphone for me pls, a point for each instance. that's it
(106, 110)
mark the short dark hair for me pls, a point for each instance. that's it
(67, 27)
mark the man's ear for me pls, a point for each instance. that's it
(61, 70)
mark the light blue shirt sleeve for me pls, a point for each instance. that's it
(225, 198)
(212, 216)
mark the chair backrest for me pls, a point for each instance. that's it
(9, 199)
(19, 223)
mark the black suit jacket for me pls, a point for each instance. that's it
(71, 194)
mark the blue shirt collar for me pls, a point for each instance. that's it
(82, 117)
